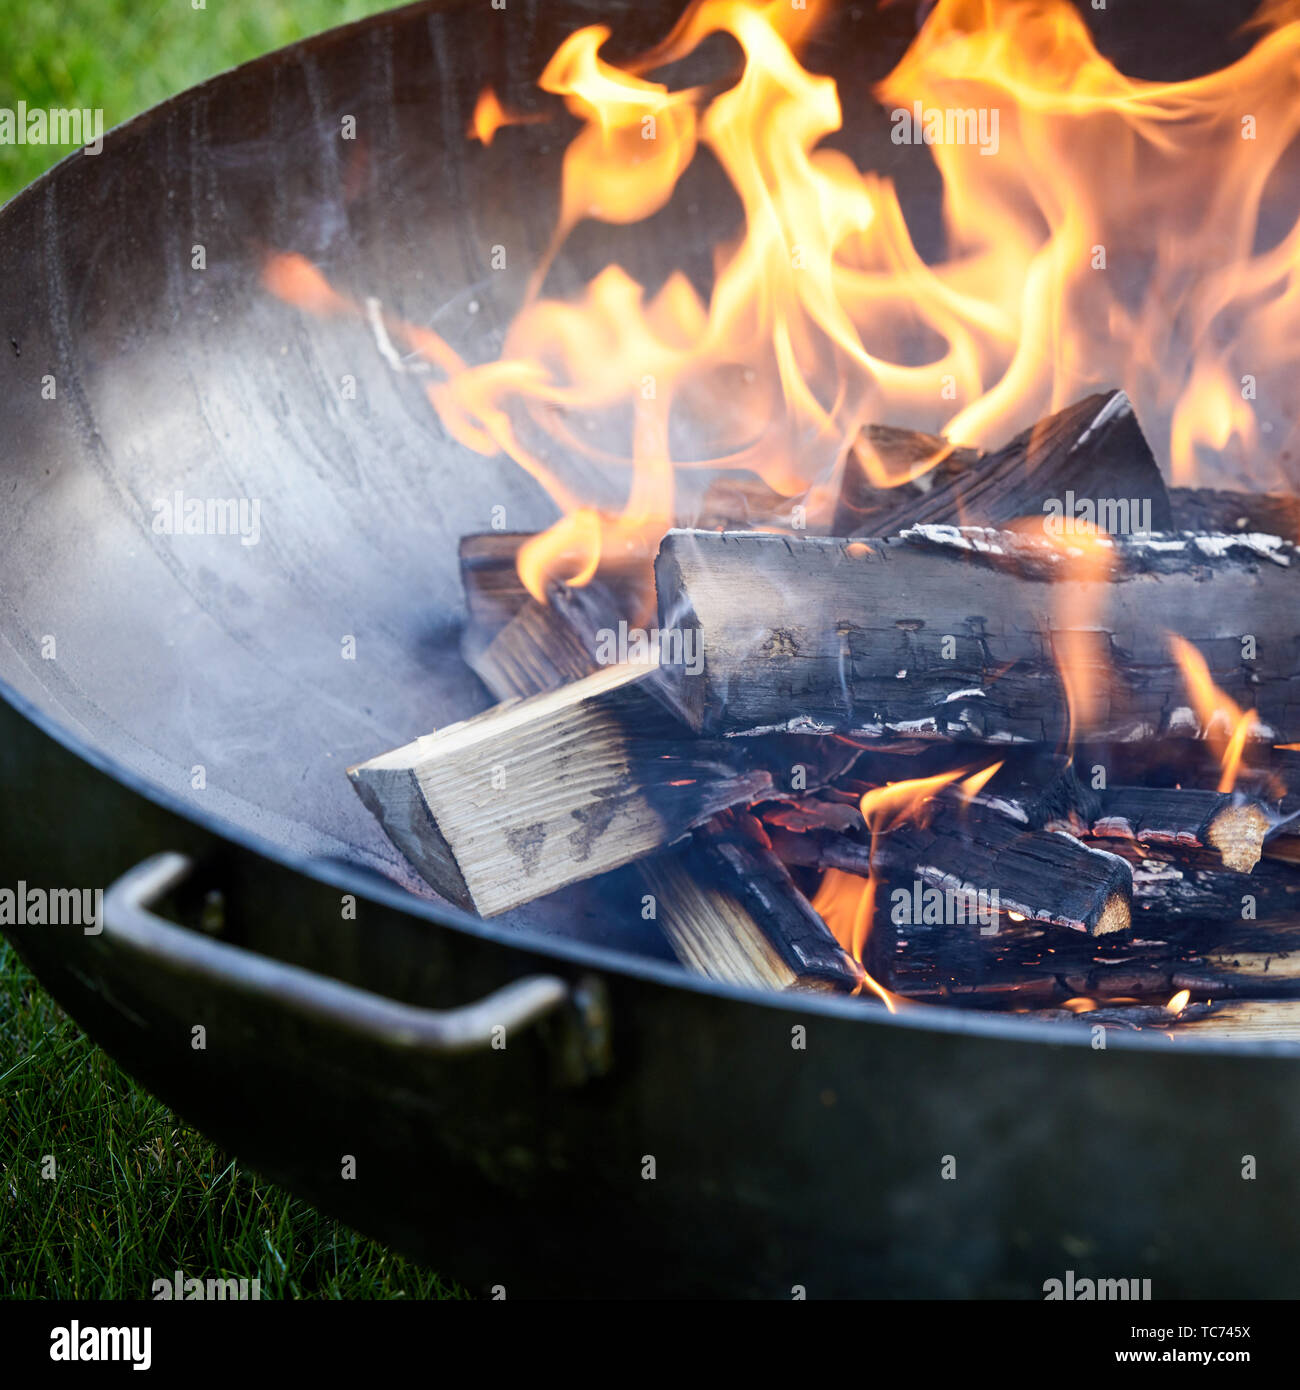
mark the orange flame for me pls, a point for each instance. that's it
(1103, 230)
(1225, 724)
(490, 116)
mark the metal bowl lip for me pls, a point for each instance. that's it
(375, 888)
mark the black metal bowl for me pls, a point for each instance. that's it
(178, 713)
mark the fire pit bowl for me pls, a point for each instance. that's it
(179, 710)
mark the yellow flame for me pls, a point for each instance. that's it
(1225, 724)
(1107, 232)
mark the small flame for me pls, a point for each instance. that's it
(1179, 1001)
(490, 116)
(1225, 724)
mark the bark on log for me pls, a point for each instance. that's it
(955, 633)
(981, 858)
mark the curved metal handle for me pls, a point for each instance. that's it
(129, 921)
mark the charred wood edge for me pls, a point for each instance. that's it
(1249, 1020)
(827, 635)
(705, 899)
(1230, 959)
(1171, 890)
(1231, 513)
(1092, 451)
(732, 911)
(1229, 827)
(1043, 876)
(594, 775)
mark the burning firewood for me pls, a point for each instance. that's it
(728, 909)
(983, 864)
(1230, 829)
(732, 912)
(955, 634)
(1087, 463)
(1244, 1020)
(1229, 513)
(538, 793)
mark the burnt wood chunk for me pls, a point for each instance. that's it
(1229, 828)
(538, 793)
(1230, 513)
(731, 911)
(993, 867)
(955, 633)
(1243, 1020)
(1088, 462)
(753, 927)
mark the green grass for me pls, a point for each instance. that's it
(125, 55)
(138, 1194)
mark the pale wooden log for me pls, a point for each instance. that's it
(539, 793)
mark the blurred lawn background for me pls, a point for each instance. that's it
(137, 1194)
(125, 55)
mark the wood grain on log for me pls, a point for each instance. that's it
(538, 793)
(955, 633)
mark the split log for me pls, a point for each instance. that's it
(953, 633)
(1089, 461)
(987, 866)
(539, 793)
(1230, 513)
(732, 915)
(1226, 828)
(732, 912)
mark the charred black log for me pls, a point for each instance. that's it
(732, 912)
(1088, 463)
(981, 865)
(957, 634)
(1229, 513)
(1226, 829)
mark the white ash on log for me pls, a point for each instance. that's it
(1228, 828)
(538, 793)
(1088, 462)
(1167, 892)
(954, 633)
